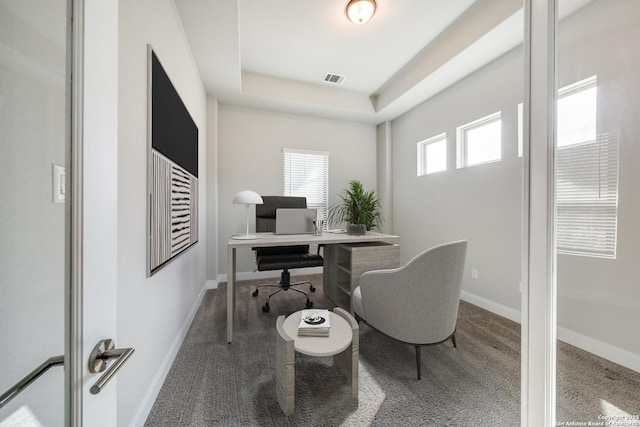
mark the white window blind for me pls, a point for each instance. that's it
(432, 155)
(306, 174)
(586, 176)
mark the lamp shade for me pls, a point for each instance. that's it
(360, 11)
(247, 197)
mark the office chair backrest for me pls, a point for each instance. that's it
(266, 212)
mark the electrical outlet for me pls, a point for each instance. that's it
(474, 273)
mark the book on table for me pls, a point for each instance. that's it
(314, 323)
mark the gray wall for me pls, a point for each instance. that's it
(250, 146)
(597, 298)
(481, 203)
(385, 175)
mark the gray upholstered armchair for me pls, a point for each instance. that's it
(418, 302)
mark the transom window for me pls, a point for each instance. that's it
(432, 155)
(306, 174)
(480, 141)
(577, 113)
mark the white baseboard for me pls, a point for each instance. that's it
(154, 388)
(607, 351)
(494, 307)
(257, 275)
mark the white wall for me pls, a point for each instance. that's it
(250, 146)
(212, 188)
(597, 298)
(482, 203)
(153, 313)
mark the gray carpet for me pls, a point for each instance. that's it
(212, 383)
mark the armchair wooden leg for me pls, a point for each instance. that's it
(418, 360)
(453, 340)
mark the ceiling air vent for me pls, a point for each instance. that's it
(334, 78)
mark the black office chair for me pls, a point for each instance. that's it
(284, 257)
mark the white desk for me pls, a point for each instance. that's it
(270, 240)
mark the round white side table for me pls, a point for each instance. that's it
(342, 343)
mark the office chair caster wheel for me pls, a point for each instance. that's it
(265, 307)
(311, 288)
(309, 304)
(255, 293)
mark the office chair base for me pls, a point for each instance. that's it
(266, 306)
(285, 285)
(279, 285)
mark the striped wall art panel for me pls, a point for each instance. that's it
(174, 213)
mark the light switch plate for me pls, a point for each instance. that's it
(59, 183)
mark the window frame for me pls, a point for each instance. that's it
(573, 89)
(462, 160)
(422, 148)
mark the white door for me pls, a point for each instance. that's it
(95, 134)
(58, 169)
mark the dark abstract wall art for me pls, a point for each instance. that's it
(172, 170)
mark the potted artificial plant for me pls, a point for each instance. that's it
(360, 209)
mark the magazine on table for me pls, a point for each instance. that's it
(314, 322)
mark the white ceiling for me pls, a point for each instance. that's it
(303, 40)
(274, 54)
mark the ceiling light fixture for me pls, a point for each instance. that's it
(360, 11)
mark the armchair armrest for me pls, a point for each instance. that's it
(418, 302)
(383, 300)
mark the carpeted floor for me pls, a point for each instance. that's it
(212, 383)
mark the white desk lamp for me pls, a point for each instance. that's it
(247, 197)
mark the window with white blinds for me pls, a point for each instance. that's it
(586, 176)
(306, 174)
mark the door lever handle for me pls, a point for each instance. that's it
(99, 359)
